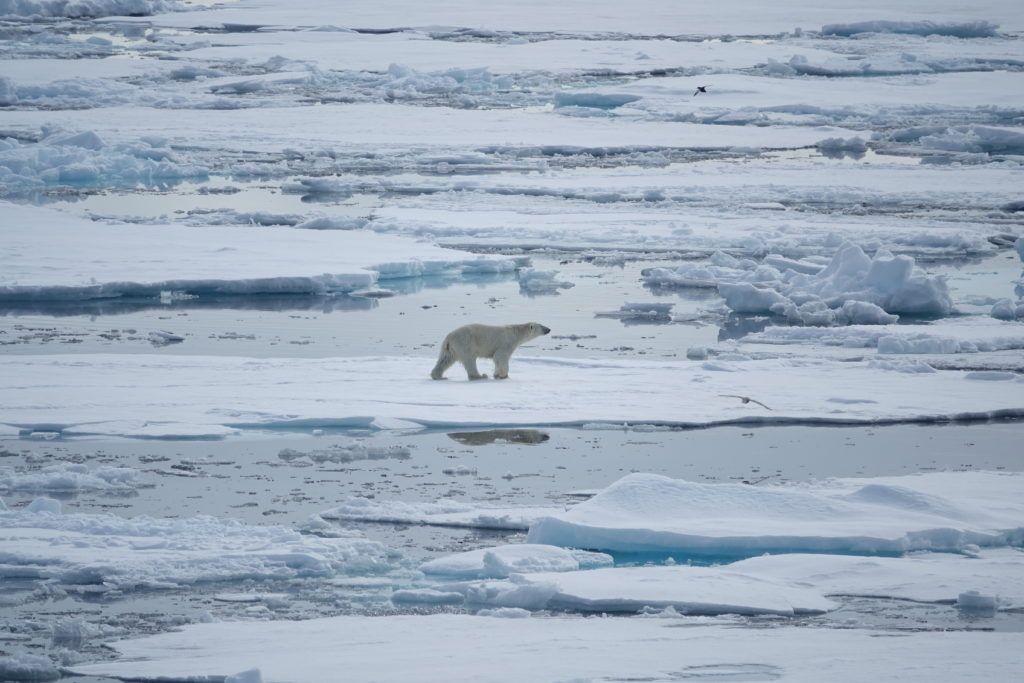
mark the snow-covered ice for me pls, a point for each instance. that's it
(501, 561)
(688, 590)
(216, 395)
(921, 577)
(145, 552)
(100, 260)
(70, 477)
(941, 511)
(445, 512)
(951, 335)
(851, 288)
(559, 649)
(817, 202)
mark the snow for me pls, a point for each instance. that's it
(972, 29)
(101, 261)
(23, 666)
(444, 512)
(85, 159)
(947, 336)
(70, 477)
(535, 281)
(838, 159)
(646, 512)
(380, 128)
(921, 577)
(558, 648)
(215, 395)
(1006, 309)
(80, 9)
(501, 561)
(688, 590)
(145, 552)
(647, 18)
(702, 207)
(851, 288)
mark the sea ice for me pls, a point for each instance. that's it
(83, 9)
(70, 477)
(534, 281)
(145, 552)
(444, 512)
(100, 260)
(952, 335)
(559, 649)
(23, 666)
(688, 590)
(501, 561)
(919, 577)
(646, 512)
(218, 395)
(851, 288)
(971, 29)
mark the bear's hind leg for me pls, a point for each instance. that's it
(471, 371)
(444, 361)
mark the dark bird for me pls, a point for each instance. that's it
(700, 89)
(745, 399)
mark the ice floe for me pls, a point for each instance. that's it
(215, 396)
(921, 577)
(501, 561)
(688, 590)
(941, 511)
(100, 261)
(85, 159)
(70, 477)
(852, 288)
(445, 512)
(24, 666)
(948, 336)
(533, 281)
(146, 552)
(971, 29)
(560, 649)
(84, 9)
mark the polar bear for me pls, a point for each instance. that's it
(470, 342)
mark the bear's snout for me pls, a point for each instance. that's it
(544, 330)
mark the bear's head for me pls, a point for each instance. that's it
(536, 330)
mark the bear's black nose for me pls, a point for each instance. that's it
(546, 329)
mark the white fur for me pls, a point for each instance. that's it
(470, 342)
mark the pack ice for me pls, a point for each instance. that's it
(122, 553)
(687, 590)
(559, 649)
(947, 511)
(852, 288)
(219, 394)
(98, 260)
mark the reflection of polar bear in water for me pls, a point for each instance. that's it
(470, 342)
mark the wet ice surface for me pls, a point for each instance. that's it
(276, 478)
(581, 148)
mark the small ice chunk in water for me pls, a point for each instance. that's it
(163, 338)
(697, 353)
(974, 601)
(44, 504)
(247, 676)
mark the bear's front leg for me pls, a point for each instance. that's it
(501, 365)
(471, 371)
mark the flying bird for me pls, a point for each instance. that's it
(700, 89)
(745, 399)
